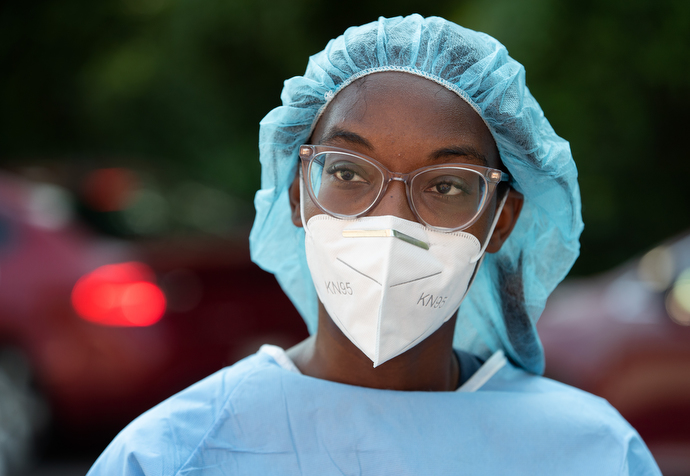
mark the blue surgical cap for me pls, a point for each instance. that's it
(511, 287)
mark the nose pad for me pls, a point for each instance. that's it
(394, 202)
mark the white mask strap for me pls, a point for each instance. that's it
(481, 255)
(491, 229)
(301, 198)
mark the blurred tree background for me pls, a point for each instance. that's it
(175, 89)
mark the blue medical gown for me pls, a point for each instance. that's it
(257, 418)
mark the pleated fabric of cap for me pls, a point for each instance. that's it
(511, 288)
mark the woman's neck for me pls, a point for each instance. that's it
(431, 365)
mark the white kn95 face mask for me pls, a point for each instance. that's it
(388, 283)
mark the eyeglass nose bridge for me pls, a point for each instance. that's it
(398, 177)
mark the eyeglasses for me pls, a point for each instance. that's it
(446, 197)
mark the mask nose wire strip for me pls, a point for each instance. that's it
(385, 233)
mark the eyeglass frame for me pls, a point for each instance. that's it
(491, 176)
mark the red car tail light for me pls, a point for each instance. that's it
(121, 294)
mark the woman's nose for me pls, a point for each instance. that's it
(394, 202)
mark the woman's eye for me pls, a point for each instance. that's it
(447, 187)
(345, 173)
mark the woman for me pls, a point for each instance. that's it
(408, 171)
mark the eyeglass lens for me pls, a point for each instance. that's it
(348, 185)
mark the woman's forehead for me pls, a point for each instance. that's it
(398, 107)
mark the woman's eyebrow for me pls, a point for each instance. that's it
(460, 151)
(341, 135)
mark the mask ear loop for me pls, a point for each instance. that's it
(479, 259)
(499, 210)
(301, 198)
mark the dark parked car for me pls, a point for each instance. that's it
(625, 336)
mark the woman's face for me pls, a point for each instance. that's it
(406, 122)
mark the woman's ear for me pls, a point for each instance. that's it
(294, 192)
(506, 222)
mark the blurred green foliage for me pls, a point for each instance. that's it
(613, 77)
(179, 86)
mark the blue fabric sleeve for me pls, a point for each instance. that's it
(160, 441)
(639, 461)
